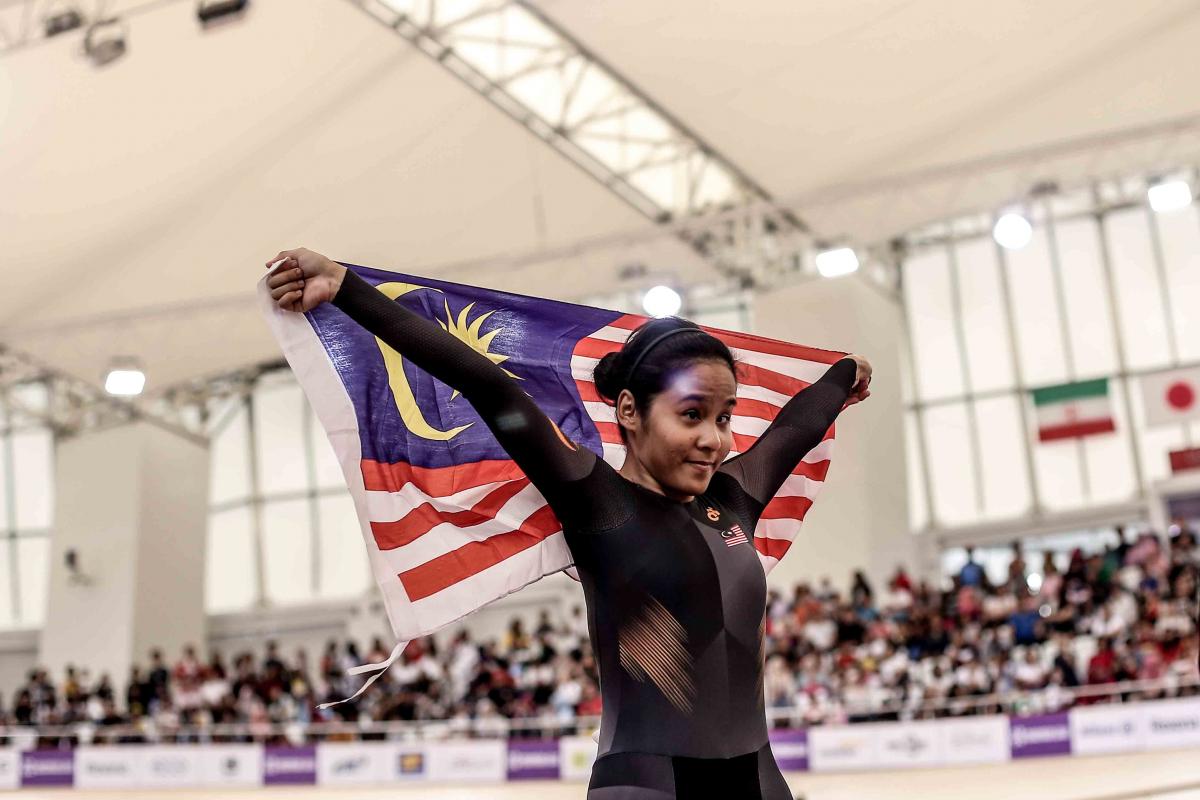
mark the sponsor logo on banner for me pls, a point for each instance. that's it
(410, 764)
(983, 740)
(482, 761)
(10, 768)
(47, 768)
(907, 745)
(535, 759)
(1172, 723)
(790, 748)
(577, 754)
(107, 767)
(290, 765)
(231, 765)
(1106, 729)
(846, 747)
(1045, 735)
(177, 766)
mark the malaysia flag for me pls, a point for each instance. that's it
(449, 521)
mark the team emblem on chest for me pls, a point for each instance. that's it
(712, 514)
(734, 535)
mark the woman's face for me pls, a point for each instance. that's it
(686, 432)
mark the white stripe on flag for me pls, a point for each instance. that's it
(445, 537)
(514, 572)
(390, 506)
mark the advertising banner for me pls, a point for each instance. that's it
(462, 762)
(231, 765)
(533, 759)
(842, 747)
(576, 754)
(1171, 723)
(1107, 729)
(10, 768)
(1044, 735)
(292, 766)
(47, 768)
(112, 767)
(790, 748)
(973, 740)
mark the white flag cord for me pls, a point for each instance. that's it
(379, 668)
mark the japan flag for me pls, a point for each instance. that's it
(1172, 396)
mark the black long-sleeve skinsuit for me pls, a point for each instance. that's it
(675, 611)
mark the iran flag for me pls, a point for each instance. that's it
(1172, 396)
(1072, 410)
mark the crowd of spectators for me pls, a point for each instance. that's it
(1041, 639)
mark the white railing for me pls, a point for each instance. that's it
(1015, 703)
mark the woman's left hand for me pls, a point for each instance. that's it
(862, 381)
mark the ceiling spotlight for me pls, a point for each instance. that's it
(211, 11)
(662, 301)
(105, 41)
(66, 20)
(1012, 231)
(1170, 196)
(840, 261)
(125, 378)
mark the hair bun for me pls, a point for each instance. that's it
(608, 376)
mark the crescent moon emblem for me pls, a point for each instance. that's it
(402, 392)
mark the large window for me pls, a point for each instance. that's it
(1106, 288)
(26, 505)
(282, 526)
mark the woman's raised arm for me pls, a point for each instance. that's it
(306, 279)
(797, 428)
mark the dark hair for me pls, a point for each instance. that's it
(651, 354)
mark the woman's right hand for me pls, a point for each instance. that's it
(303, 279)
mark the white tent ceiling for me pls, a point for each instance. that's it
(138, 200)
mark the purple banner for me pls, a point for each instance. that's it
(1045, 735)
(48, 768)
(791, 749)
(533, 759)
(290, 765)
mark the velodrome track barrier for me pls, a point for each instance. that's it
(1085, 730)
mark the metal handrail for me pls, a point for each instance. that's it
(500, 727)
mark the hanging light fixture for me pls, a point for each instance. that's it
(662, 301)
(1166, 196)
(1012, 231)
(67, 19)
(125, 378)
(837, 261)
(105, 41)
(212, 11)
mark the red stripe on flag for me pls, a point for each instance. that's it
(629, 322)
(423, 518)
(772, 548)
(439, 481)
(748, 341)
(595, 348)
(588, 393)
(448, 569)
(769, 379)
(1075, 430)
(789, 507)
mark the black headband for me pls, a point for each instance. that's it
(649, 347)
